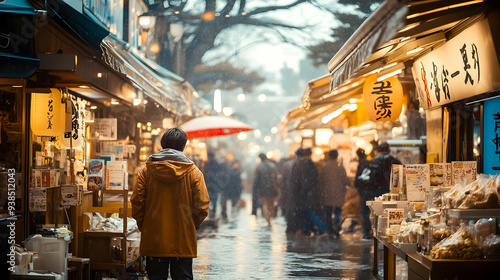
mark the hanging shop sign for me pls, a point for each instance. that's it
(48, 113)
(384, 99)
(104, 129)
(491, 130)
(465, 66)
(74, 137)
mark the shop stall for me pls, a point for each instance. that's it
(441, 214)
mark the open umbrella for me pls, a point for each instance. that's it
(211, 126)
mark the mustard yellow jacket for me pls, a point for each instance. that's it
(169, 202)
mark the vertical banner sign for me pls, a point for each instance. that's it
(384, 99)
(77, 132)
(491, 142)
(46, 117)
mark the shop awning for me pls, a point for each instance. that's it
(163, 90)
(397, 28)
(80, 25)
(17, 49)
(395, 35)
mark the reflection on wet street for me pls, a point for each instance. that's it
(245, 247)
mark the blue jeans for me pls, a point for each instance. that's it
(309, 219)
(332, 226)
(180, 268)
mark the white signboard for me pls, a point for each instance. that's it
(465, 66)
(104, 129)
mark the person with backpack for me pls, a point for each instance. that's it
(374, 181)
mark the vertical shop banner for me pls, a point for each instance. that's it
(47, 117)
(383, 99)
(75, 135)
(491, 137)
(465, 66)
(104, 129)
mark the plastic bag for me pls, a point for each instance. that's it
(491, 247)
(460, 245)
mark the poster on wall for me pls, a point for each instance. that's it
(491, 136)
(104, 129)
(38, 200)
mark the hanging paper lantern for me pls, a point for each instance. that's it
(384, 99)
(47, 118)
(74, 138)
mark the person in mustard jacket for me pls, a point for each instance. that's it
(170, 202)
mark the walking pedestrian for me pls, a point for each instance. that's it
(286, 198)
(233, 187)
(305, 186)
(265, 185)
(170, 202)
(333, 183)
(374, 181)
(213, 172)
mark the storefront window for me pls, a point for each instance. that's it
(465, 133)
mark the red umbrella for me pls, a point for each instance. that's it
(211, 126)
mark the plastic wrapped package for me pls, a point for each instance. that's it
(112, 224)
(491, 247)
(460, 245)
(484, 228)
(483, 193)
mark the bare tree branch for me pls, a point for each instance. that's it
(274, 8)
(229, 6)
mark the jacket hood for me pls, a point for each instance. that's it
(169, 165)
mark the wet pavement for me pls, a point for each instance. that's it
(243, 246)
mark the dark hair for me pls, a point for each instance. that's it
(333, 154)
(307, 152)
(174, 138)
(210, 154)
(384, 147)
(262, 156)
(299, 152)
(361, 153)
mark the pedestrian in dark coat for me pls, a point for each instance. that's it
(213, 172)
(265, 185)
(305, 185)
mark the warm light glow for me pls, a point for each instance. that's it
(17, 86)
(83, 86)
(139, 125)
(202, 145)
(414, 51)
(93, 107)
(241, 97)
(257, 133)
(137, 101)
(217, 101)
(355, 100)
(409, 27)
(228, 16)
(114, 102)
(322, 136)
(177, 29)
(405, 38)
(274, 130)
(243, 14)
(145, 102)
(242, 136)
(332, 116)
(388, 75)
(267, 138)
(99, 75)
(148, 123)
(227, 111)
(262, 97)
(208, 16)
(443, 9)
(154, 48)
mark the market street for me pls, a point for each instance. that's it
(244, 247)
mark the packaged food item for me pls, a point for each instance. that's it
(482, 193)
(460, 245)
(491, 247)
